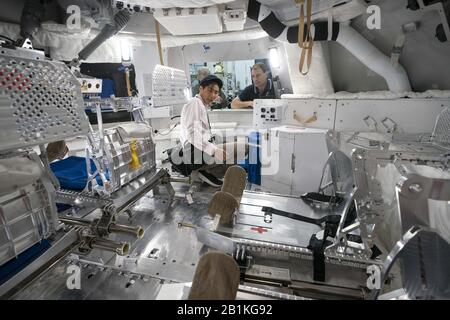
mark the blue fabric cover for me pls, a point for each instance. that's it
(253, 170)
(12, 267)
(71, 172)
(108, 88)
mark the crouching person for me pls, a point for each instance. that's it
(197, 152)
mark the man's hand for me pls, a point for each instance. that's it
(238, 104)
(221, 155)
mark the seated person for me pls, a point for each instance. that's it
(221, 101)
(262, 88)
(198, 151)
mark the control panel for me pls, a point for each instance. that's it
(268, 113)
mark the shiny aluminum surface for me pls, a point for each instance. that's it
(169, 254)
(40, 100)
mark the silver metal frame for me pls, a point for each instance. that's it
(40, 100)
(370, 205)
(425, 259)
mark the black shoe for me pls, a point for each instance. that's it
(209, 179)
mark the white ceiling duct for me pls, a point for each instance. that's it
(395, 76)
(175, 3)
(342, 13)
(169, 41)
(180, 22)
(251, 34)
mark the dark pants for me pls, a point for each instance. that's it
(188, 158)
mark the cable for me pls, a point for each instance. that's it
(7, 38)
(166, 133)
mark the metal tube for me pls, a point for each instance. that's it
(135, 231)
(138, 232)
(109, 245)
(76, 221)
(181, 179)
(120, 21)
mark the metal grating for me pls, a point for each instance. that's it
(441, 133)
(118, 157)
(25, 219)
(40, 101)
(169, 86)
(425, 263)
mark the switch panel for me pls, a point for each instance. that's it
(268, 113)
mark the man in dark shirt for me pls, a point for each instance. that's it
(262, 88)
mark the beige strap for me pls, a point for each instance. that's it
(305, 43)
(309, 120)
(127, 80)
(158, 39)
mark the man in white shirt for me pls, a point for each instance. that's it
(199, 152)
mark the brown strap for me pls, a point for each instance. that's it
(127, 80)
(305, 43)
(306, 53)
(301, 24)
(309, 120)
(158, 40)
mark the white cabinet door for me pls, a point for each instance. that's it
(311, 153)
(276, 161)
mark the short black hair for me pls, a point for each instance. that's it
(210, 80)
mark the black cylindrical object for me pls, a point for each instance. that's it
(275, 28)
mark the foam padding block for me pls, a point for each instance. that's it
(216, 278)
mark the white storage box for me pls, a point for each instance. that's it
(301, 154)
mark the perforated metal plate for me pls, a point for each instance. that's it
(441, 133)
(40, 100)
(169, 86)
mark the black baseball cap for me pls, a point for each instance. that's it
(211, 79)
